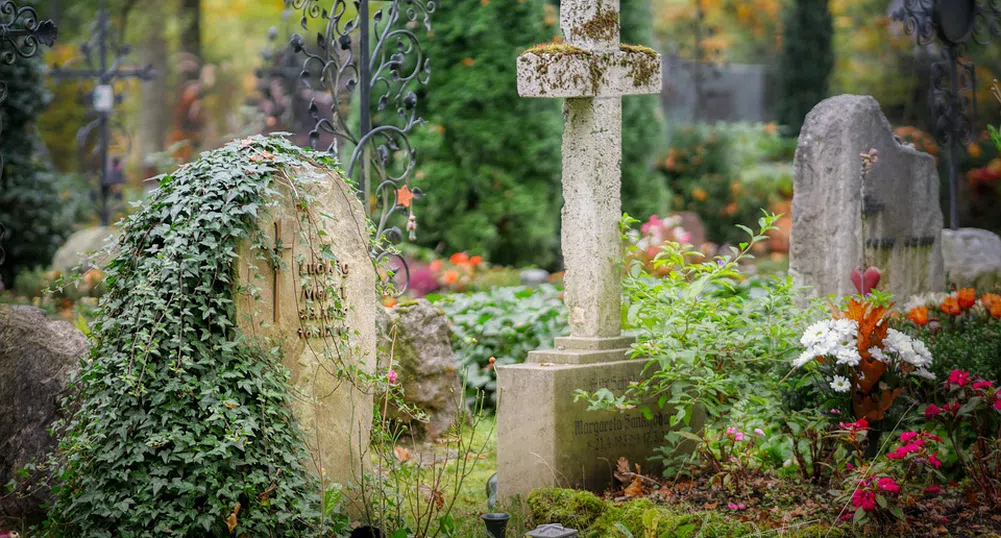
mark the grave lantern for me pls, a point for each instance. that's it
(496, 524)
(552, 530)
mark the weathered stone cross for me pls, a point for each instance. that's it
(592, 71)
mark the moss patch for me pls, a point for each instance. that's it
(570, 508)
(603, 26)
(556, 49)
(638, 49)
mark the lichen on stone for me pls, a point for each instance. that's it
(603, 26)
(556, 49)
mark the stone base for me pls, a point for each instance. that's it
(972, 258)
(544, 438)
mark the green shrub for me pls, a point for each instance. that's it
(176, 419)
(806, 62)
(503, 323)
(31, 210)
(571, 508)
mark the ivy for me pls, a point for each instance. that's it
(179, 424)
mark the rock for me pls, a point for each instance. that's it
(902, 219)
(534, 277)
(972, 258)
(417, 337)
(78, 248)
(36, 357)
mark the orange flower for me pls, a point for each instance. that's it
(436, 265)
(974, 151)
(919, 315)
(771, 128)
(459, 258)
(389, 301)
(475, 260)
(450, 277)
(992, 302)
(967, 298)
(951, 306)
(700, 194)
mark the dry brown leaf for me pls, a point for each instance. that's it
(635, 489)
(231, 520)
(402, 453)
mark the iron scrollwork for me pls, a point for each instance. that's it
(953, 25)
(384, 67)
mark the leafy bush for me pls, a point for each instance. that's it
(503, 324)
(727, 173)
(178, 424)
(961, 331)
(806, 62)
(31, 209)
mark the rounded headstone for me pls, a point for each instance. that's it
(972, 257)
(77, 250)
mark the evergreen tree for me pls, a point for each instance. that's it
(806, 62)
(489, 160)
(30, 208)
(644, 191)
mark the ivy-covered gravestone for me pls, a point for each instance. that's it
(238, 326)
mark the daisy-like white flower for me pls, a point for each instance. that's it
(877, 354)
(815, 333)
(804, 358)
(840, 384)
(923, 373)
(845, 328)
(848, 354)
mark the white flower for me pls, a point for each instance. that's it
(804, 358)
(815, 333)
(922, 350)
(848, 354)
(907, 349)
(877, 354)
(845, 328)
(840, 384)
(921, 372)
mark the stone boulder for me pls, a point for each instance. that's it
(972, 257)
(36, 358)
(415, 338)
(78, 248)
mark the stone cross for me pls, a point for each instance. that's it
(282, 243)
(592, 70)
(544, 436)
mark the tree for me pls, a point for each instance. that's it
(30, 206)
(806, 62)
(643, 131)
(489, 160)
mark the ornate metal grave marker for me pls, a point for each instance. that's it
(385, 67)
(955, 25)
(103, 70)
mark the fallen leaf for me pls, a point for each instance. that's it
(635, 489)
(231, 520)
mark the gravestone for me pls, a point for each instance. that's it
(899, 219)
(544, 437)
(292, 307)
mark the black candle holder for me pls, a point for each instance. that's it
(496, 524)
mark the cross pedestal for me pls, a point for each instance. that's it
(544, 437)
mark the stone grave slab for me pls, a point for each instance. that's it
(899, 220)
(293, 309)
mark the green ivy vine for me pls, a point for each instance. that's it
(179, 424)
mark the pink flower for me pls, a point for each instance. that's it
(934, 461)
(952, 407)
(959, 377)
(392, 377)
(731, 431)
(864, 499)
(889, 485)
(997, 402)
(932, 411)
(932, 490)
(734, 506)
(739, 436)
(982, 384)
(907, 437)
(850, 465)
(759, 432)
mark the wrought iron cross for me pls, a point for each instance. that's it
(389, 65)
(281, 245)
(955, 24)
(103, 70)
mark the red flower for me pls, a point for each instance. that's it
(951, 306)
(959, 377)
(967, 297)
(934, 461)
(907, 437)
(952, 407)
(459, 258)
(932, 490)
(932, 411)
(982, 384)
(475, 260)
(864, 499)
(889, 485)
(997, 402)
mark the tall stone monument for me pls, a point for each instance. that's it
(544, 437)
(897, 220)
(292, 306)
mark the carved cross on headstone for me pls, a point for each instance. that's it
(592, 70)
(282, 243)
